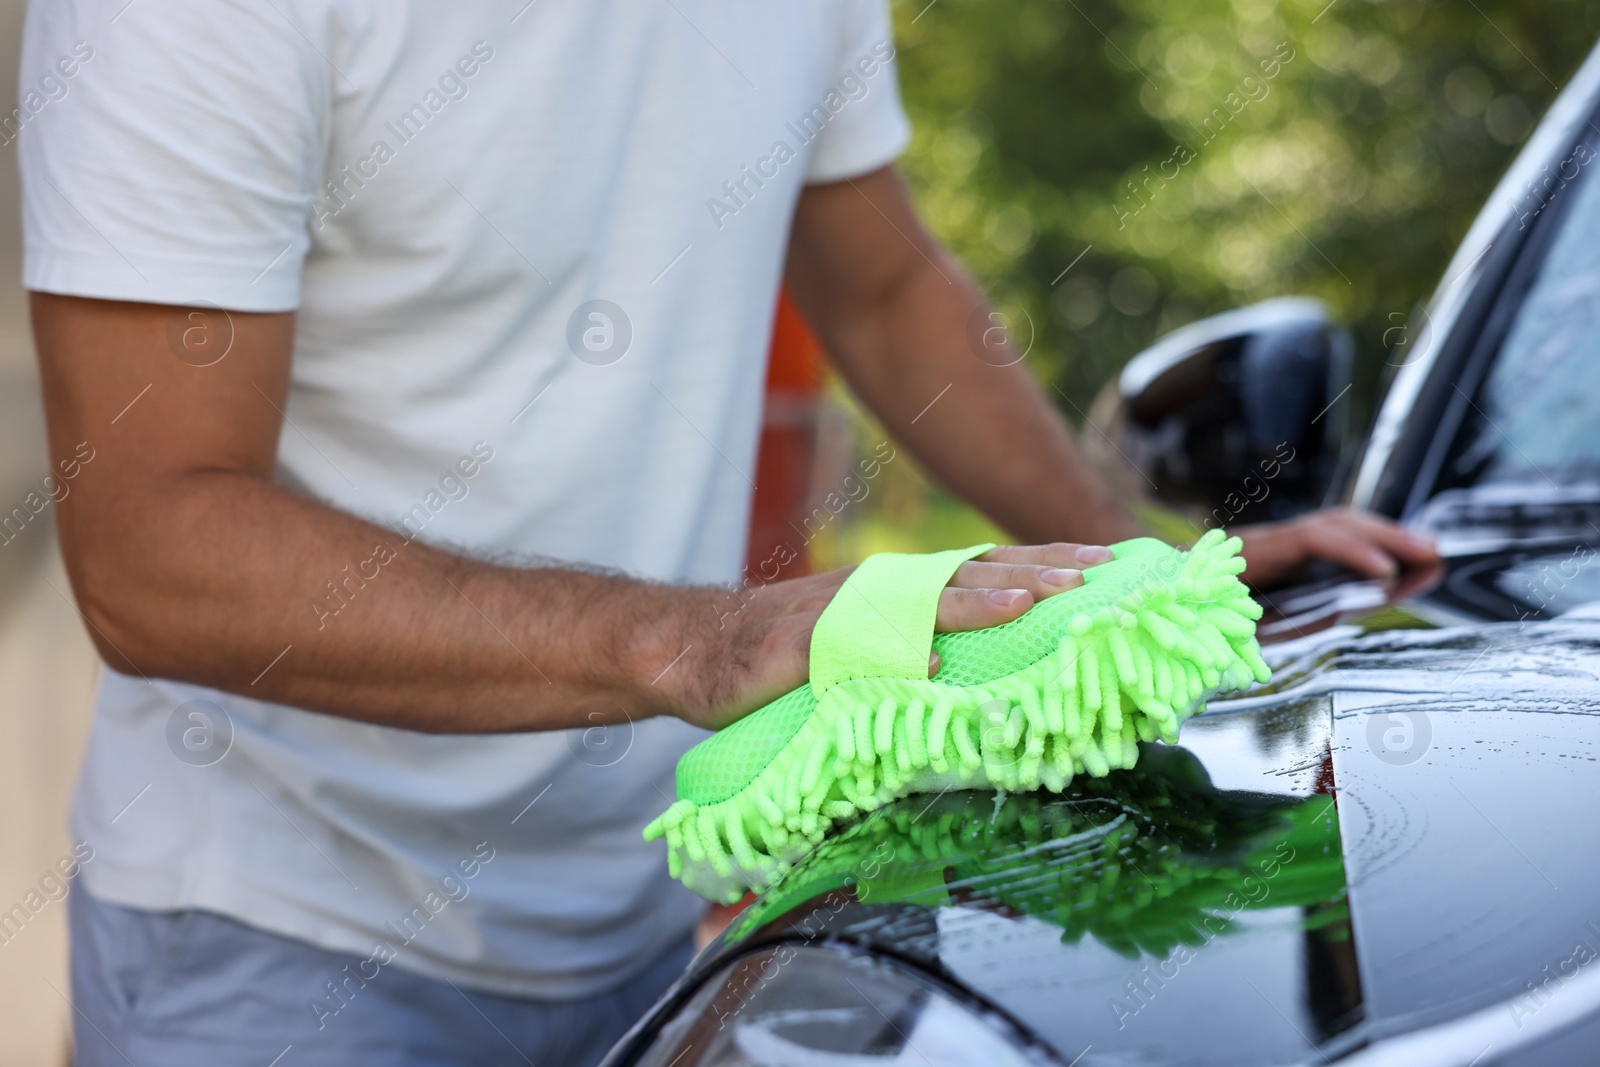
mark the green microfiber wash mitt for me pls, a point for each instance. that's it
(1069, 688)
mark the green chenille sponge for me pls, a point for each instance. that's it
(1070, 688)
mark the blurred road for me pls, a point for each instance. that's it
(47, 667)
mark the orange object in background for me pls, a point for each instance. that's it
(787, 456)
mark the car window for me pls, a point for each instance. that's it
(1536, 418)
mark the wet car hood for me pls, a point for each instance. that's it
(1395, 836)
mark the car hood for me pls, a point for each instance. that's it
(1395, 836)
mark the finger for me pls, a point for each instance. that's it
(1417, 580)
(1059, 554)
(1331, 542)
(975, 609)
(1413, 548)
(1040, 581)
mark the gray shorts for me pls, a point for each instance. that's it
(196, 989)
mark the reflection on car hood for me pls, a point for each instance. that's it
(1397, 833)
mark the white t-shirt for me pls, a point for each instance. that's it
(443, 190)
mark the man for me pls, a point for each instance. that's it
(369, 312)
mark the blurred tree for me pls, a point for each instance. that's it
(1217, 152)
(1185, 158)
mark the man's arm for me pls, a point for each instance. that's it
(189, 563)
(894, 311)
(896, 314)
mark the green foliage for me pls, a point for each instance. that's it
(1215, 153)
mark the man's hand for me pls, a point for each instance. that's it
(1373, 547)
(762, 650)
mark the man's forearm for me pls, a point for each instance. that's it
(227, 580)
(190, 563)
(985, 431)
(906, 344)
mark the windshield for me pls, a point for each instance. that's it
(1536, 419)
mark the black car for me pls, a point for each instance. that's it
(1389, 854)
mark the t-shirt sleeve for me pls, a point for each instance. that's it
(866, 128)
(169, 153)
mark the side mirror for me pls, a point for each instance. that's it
(1232, 419)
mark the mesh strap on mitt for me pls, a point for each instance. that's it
(1069, 688)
